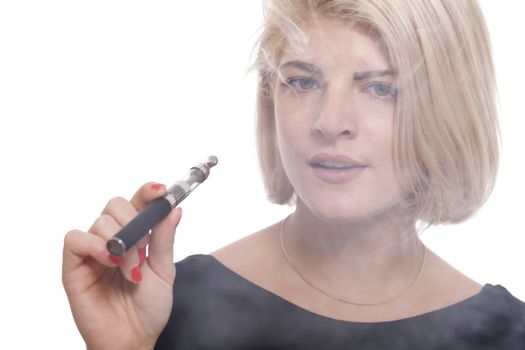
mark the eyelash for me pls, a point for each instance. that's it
(371, 88)
(295, 83)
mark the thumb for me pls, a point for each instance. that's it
(160, 250)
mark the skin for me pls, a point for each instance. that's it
(102, 296)
(343, 103)
(336, 112)
(335, 95)
(350, 237)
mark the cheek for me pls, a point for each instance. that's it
(290, 143)
(379, 130)
(388, 179)
(292, 128)
(381, 140)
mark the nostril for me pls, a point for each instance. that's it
(333, 125)
(332, 134)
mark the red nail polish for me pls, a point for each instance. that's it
(142, 255)
(136, 274)
(117, 260)
(157, 186)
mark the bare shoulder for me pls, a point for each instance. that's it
(444, 284)
(252, 256)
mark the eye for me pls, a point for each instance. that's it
(381, 91)
(302, 83)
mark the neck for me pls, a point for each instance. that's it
(362, 259)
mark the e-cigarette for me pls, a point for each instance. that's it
(159, 208)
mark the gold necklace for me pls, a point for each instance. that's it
(331, 296)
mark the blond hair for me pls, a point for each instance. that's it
(446, 131)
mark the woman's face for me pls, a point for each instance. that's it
(334, 108)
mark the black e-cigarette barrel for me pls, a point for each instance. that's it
(139, 226)
(159, 209)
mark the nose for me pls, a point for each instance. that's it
(336, 116)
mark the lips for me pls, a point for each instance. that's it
(334, 161)
(335, 169)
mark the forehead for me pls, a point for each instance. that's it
(336, 41)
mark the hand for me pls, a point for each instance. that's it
(126, 307)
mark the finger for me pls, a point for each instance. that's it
(146, 193)
(134, 258)
(105, 227)
(160, 258)
(121, 210)
(78, 246)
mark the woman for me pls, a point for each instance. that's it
(376, 119)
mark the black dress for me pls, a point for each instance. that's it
(214, 308)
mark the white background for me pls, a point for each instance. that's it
(98, 97)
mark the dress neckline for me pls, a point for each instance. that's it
(486, 288)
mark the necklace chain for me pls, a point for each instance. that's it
(342, 300)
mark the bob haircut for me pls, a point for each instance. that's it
(446, 141)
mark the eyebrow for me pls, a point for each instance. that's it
(310, 68)
(372, 74)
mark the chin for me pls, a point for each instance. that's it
(334, 211)
(349, 210)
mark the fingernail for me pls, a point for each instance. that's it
(136, 274)
(157, 186)
(117, 260)
(142, 255)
